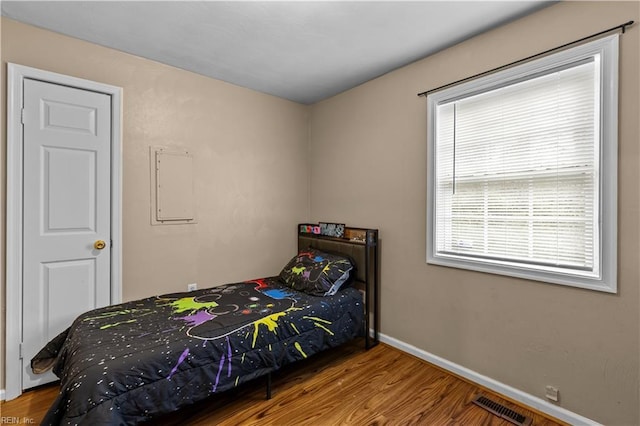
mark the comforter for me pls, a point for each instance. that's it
(131, 362)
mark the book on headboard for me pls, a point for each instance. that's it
(334, 230)
(327, 229)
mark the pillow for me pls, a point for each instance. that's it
(316, 272)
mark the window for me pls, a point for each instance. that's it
(523, 170)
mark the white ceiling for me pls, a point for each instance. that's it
(304, 51)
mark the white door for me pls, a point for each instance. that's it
(66, 208)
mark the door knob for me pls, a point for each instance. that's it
(99, 245)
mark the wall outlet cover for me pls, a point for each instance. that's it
(551, 393)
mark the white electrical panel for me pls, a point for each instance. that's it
(174, 190)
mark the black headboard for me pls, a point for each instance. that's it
(362, 245)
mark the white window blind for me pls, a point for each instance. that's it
(517, 167)
(516, 171)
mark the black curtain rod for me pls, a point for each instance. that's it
(622, 27)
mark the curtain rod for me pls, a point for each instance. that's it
(622, 27)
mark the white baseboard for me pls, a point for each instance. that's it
(489, 383)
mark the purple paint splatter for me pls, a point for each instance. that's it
(180, 360)
(198, 318)
(222, 360)
(215, 385)
(229, 357)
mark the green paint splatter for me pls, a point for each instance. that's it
(299, 348)
(116, 313)
(295, 328)
(117, 323)
(190, 304)
(237, 378)
(298, 270)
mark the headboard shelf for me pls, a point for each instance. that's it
(353, 235)
(362, 245)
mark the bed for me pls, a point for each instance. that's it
(135, 361)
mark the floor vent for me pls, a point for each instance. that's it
(501, 411)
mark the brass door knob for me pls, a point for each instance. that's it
(99, 245)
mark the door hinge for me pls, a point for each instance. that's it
(20, 350)
(22, 116)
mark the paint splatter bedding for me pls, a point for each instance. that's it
(131, 362)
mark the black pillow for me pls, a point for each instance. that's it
(316, 272)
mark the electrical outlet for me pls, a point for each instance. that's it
(551, 393)
(192, 286)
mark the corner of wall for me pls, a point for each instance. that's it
(309, 111)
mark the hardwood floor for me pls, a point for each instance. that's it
(345, 386)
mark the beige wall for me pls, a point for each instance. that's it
(250, 160)
(368, 151)
(367, 168)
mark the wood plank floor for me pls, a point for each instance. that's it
(345, 386)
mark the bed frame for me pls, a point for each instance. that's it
(362, 245)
